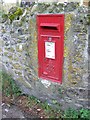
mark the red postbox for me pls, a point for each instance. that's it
(50, 46)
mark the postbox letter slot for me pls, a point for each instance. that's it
(50, 26)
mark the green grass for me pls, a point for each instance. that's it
(85, 113)
(9, 86)
(81, 114)
(48, 110)
(68, 114)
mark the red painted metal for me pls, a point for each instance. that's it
(50, 46)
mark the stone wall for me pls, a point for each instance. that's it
(19, 55)
(6, 6)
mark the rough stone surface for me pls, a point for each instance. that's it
(11, 112)
(19, 55)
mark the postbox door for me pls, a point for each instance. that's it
(50, 46)
(50, 59)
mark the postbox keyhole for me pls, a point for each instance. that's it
(50, 38)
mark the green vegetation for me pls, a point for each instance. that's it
(9, 87)
(4, 16)
(47, 109)
(14, 13)
(70, 113)
(79, 114)
(85, 113)
(88, 19)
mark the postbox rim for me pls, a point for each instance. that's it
(51, 14)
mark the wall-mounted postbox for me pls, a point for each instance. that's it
(50, 46)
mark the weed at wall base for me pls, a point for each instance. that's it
(9, 87)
